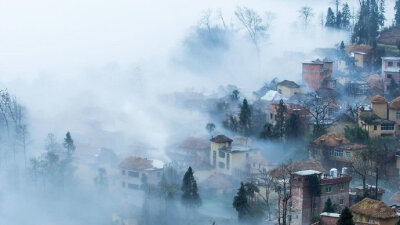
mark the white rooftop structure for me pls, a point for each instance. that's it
(336, 215)
(307, 172)
(158, 164)
(391, 58)
(272, 96)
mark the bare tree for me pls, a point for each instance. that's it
(205, 20)
(253, 23)
(282, 182)
(318, 108)
(306, 14)
(268, 184)
(361, 166)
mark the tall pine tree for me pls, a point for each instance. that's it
(245, 116)
(397, 13)
(190, 196)
(69, 144)
(330, 18)
(346, 217)
(329, 206)
(346, 16)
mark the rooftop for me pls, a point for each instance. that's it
(221, 139)
(307, 172)
(395, 104)
(138, 163)
(391, 58)
(336, 215)
(373, 208)
(331, 139)
(378, 99)
(289, 84)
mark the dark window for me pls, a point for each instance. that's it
(341, 201)
(228, 158)
(348, 154)
(123, 172)
(133, 186)
(398, 115)
(214, 158)
(221, 165)
(271, 116)
(133, 174)
(387, 127)
(375, 127)
(342, 187)
(221, 154)
(247, 155)
(390, 64)
(328, 189)
(389, 75)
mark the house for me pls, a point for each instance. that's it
(229, 158)
(288, 88)
(382, 119)
(360, 54)
(134, 170)
(334, 187)
(290, 109)
(334, 150)
(370, 189)
(374, 212)
(390, 71)
(316, 72)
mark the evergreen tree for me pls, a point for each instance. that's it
(397, 13)
(346, 217)
(339, 20)
(280, 119)
(330, 18)
(329, 206)
(69, 143)
(267, 132)
(190, 196)
(382, 17)
(369, 21)
(245, 116)
(346, 16)
(240, 202)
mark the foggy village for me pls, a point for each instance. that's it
(199, 112)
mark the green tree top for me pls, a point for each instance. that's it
(346, 217)
(190, 196)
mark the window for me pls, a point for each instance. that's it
(328, 189)
(123, 172)
(389, 76)
(375, 127)
(348, 154)
(342, 187)
(214, 158)
(398, 115)
(221, 165)
(398, 127)
(271, 116)
(133, 186)
(341, 201)
(133, 174)
(337, 153)
(387, 127)
(227, 161)
(221, 154)
(371, 221)
(390, 64)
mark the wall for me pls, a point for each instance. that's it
(288, 92)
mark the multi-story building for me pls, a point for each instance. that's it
(390, 71)
(288, 88)
(318, 74)
(304, 207)
(290, 109)
(134, 170)
(382, 119)
(228, 158)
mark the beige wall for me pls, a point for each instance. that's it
(288, 92)
(365, 219)
(380, 110)
(359, 59)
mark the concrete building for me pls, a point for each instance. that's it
(390, 71)
(334, 187)
(133, 170)
(373, 212)
(227, 158)
(382, 119)
(290, 109)
(316, 72)
(288, 88)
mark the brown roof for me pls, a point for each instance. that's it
(395, 199)
(358, 48)
(395, 104)
(289, 84)
(136, 163)
(378, 99)
(299, 166)
(373, 208)
(221, 139)
(332, 139)
(194, 143)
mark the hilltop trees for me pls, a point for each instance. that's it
(306, 13)
(69, 144)
(340, 20)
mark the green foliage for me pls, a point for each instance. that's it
(366, 29)
(319, 130)
(346, 217)
(397, 13)
(314, 188)
(356, 134)
(246, 204)
(329, 206)
(235, 95)
(190, 196)
(69, 143)
(330, 18)
(315, 219)
(245, 116)
(280, 119)
(267, 132)
(294, 127)
(210, 127)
